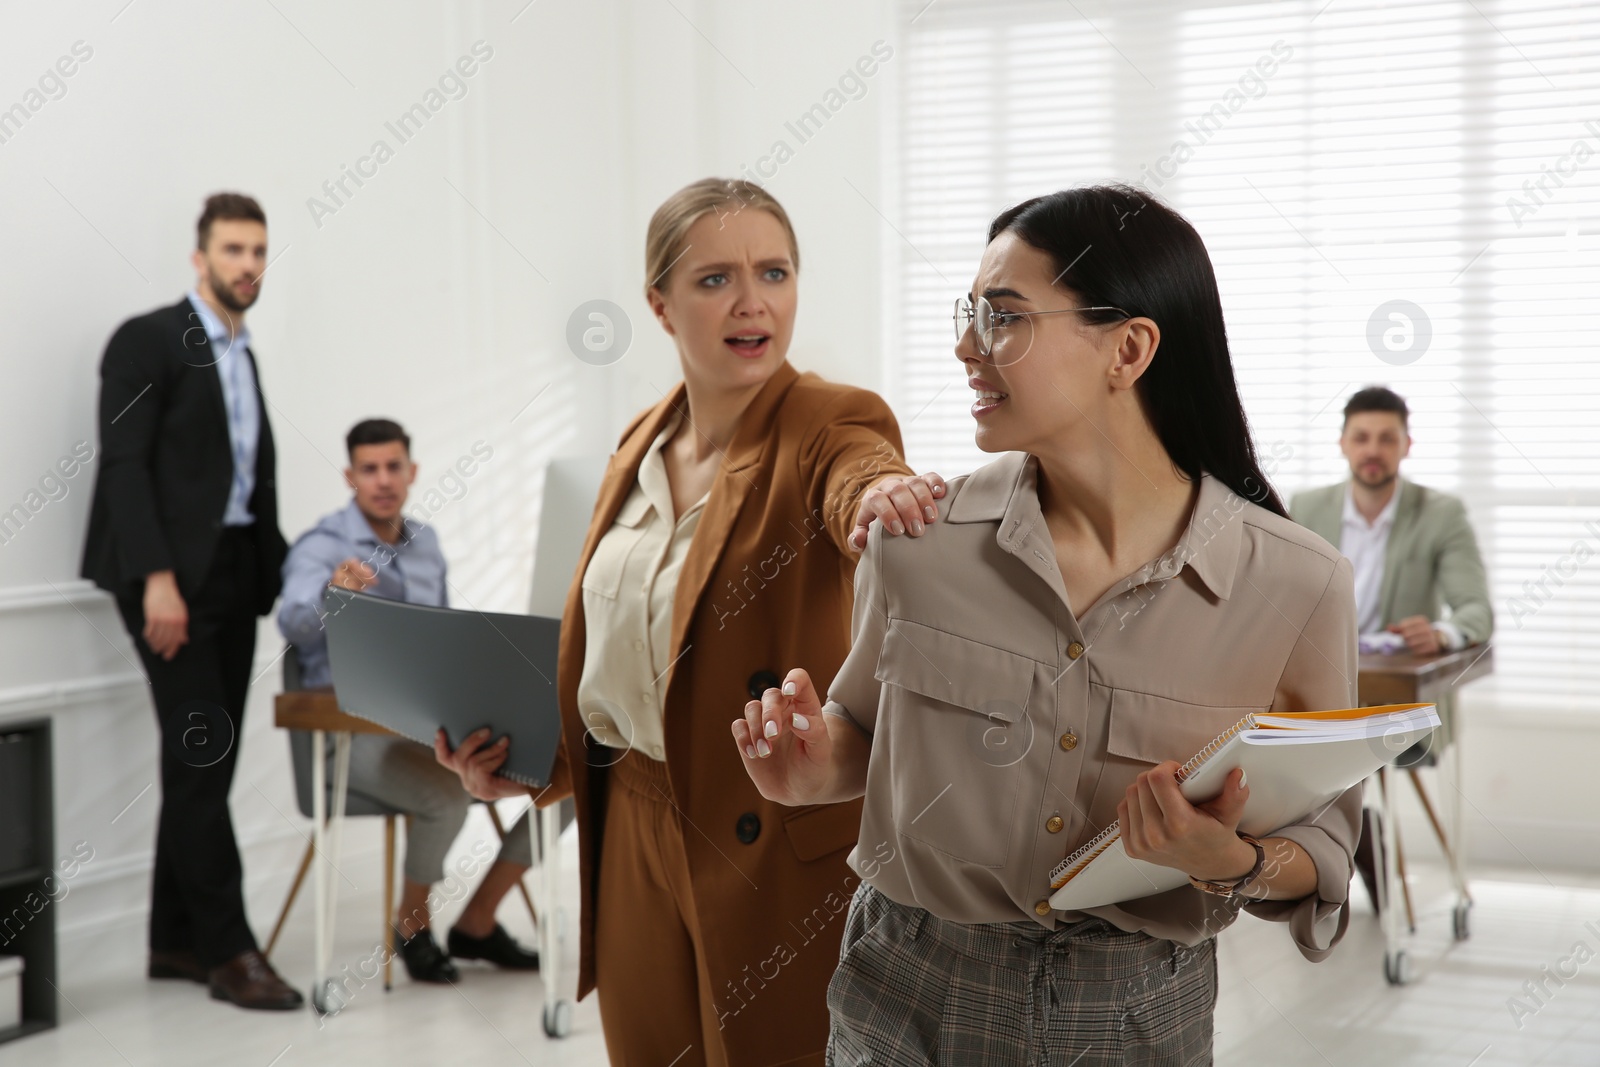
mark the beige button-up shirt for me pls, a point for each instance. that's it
(1005, 729)
(628, 590)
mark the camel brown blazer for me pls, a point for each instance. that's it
(767, 586)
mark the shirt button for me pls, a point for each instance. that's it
(1054, 824)
(1069, 741)
(655, 750)
(1042, 908)
(645, 697)
(760, 682)
(638, 646)
(1075, 650)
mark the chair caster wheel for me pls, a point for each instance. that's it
(1397, 968)
(329, 999)
(558, 1019)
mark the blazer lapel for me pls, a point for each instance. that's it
(1325, 517)
(733, 484)
(622, 472)
(1398, 547)
(200, 357)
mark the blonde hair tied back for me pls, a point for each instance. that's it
(669, 226)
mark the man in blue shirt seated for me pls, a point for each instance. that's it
(369, 546)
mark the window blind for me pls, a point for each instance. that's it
(1402, 193)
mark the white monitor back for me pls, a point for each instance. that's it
(571, 487)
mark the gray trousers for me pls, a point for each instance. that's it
(403, 774)
(912, 989)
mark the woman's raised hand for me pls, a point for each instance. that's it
(475, 761)
(784, 742)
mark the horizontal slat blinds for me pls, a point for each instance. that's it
(1400, 193)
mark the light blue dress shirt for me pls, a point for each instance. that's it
(240, 399)
(412, 569)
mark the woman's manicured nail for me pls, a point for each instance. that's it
(931, 512)
(788, 689)
(1241, 779)
(763, 749)
(897, 528)
(916, 527)
(750, 750)
(772, 728)
(800, 722)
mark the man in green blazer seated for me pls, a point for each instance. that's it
(1412, 547)
(1420, 582)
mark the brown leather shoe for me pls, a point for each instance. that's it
(249, 981)
(176, 965)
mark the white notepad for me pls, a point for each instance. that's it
(1295, 763)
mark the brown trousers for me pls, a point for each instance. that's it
(655, 993)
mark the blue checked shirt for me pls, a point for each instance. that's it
(412, 569)
(243, 406)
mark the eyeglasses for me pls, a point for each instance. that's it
(985, 320)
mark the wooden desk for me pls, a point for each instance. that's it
(317, 711)
(1408, 679)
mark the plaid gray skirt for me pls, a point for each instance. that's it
(914, 989)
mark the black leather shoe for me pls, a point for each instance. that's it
(425, 960)
(499, 948)
(249, 981)
(176, 965)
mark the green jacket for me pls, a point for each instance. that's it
(1431, 559)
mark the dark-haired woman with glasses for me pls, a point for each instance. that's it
(1095, 606)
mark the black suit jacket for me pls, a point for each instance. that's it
(166, 462)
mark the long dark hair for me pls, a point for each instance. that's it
(1118, 246)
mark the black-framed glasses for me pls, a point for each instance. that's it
(985, 319)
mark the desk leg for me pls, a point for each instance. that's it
(341, 787)
(325, 997)
(319, 811)
(1458, 823)
(1396, 965)
(547, 826)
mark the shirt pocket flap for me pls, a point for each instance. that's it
(956, 670)
(633, 510)
(1153, 728)
(603, 575)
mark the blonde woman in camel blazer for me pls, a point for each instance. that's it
(721, 551)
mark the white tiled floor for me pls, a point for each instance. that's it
(1275, 1008)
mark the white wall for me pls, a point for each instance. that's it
(407, 301)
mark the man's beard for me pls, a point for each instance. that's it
(224, 293)
(1380, 482)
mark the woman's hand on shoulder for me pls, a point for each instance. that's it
(902, 504)
(784, 742)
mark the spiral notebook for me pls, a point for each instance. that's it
(414, 668)
(1295, 763)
